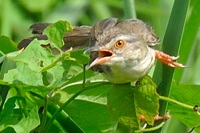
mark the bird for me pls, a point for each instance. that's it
(122, 50)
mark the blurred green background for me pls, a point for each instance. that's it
(16, 16)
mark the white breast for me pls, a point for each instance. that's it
(131, 70)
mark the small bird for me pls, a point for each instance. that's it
(123, 51)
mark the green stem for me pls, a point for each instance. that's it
(48, 125)
(62, 57)
(129, 9)
(176, 102)
(2, 54)
(150, 129)
(44, 118)
(3, 94)
(84, 75)
(61, 108)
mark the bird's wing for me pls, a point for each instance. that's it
(77, 38)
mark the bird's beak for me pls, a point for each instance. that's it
(103, 55)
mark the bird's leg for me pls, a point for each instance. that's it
(156, 118)
(167, 59)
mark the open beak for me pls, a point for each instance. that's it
(103, 55)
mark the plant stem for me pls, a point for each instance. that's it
(150, 129)
(48, 125)
(60, 58)
(176, 102)
(61, 108)
(129, 9)
(44, 118)
(84, 75)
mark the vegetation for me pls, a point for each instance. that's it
(45, 92)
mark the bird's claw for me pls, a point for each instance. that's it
(167, 59)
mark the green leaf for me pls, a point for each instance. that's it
(12, 117)
(8, 63)
(7, 45)
(128, 104)
(189, 45)
(59, 96)
(187, 94)
(80, 57)
(8, 112)
(36, 65)
(20, 72)
(29, 123)
(55, 33)
(23, 75)
(121, 104)
(35, 56)
(92, 101)
(146, 100)
(82, 113)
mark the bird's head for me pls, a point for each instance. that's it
(121, 48)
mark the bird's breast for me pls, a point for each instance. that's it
(129, 70)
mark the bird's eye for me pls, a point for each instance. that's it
(119, 43)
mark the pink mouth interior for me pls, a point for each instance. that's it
(105, 54)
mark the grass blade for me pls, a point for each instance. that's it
(163, 74)
(129, 9)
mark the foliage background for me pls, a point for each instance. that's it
(17, 15)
